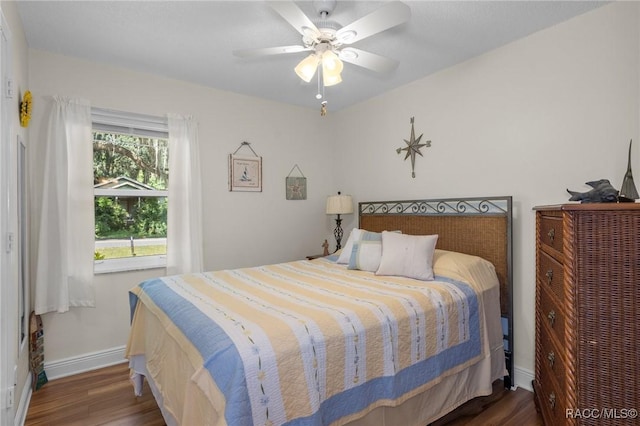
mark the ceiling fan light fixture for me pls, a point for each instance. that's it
(331, 80)
(331, 68)
(306, 68)
(326, 39)
(331, 63)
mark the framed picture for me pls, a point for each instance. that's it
(245, 173)
(296, 188)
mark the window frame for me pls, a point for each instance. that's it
(105, 120)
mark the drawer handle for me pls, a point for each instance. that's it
(551, 234)
(552, 400)
(549, 276)
(552, 359)
(552, 318)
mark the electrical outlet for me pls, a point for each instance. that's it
(9, 89)
(9, 93)
(10, 396)
(9, 242)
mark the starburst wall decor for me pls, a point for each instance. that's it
(413, 148)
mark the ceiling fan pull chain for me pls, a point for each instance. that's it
(319, 94)
(323, 104)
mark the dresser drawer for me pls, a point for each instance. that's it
(551, 314)
(551, 360)
(550, 274)
(550, 231)
(552, 404)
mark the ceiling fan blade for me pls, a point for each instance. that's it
(294, 16)
(386, 17)
(368, 60)
(265, 51)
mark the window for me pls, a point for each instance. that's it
(131, 174)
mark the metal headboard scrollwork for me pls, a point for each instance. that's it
(498, 205)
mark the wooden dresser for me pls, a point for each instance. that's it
(587, 360)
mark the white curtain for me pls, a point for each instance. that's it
(184, 217)
(64, 273)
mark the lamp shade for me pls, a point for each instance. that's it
(339, 204)
(331, 80)
(331, 68)
(307, 67)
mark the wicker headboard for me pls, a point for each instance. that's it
(477, 226)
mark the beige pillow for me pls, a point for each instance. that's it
(407, 255)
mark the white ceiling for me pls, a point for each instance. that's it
(194, 40)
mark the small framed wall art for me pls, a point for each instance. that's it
(296, 186)
(245, 172)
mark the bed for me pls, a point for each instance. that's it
(325, 342)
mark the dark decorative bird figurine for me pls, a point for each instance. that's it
(628, 189)
(602, 192)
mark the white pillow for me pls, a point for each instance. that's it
(366, 252)
(407, 255)
(345, 255)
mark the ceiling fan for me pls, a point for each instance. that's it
(330, 43)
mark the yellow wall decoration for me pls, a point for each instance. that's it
(25, 109)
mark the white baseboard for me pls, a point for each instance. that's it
(523, 378)
(86, 362)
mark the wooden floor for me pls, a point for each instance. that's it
(100, 397)
(105, 397)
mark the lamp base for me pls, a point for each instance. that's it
(338, 233)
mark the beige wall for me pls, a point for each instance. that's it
(530, 119)
(240, 229)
